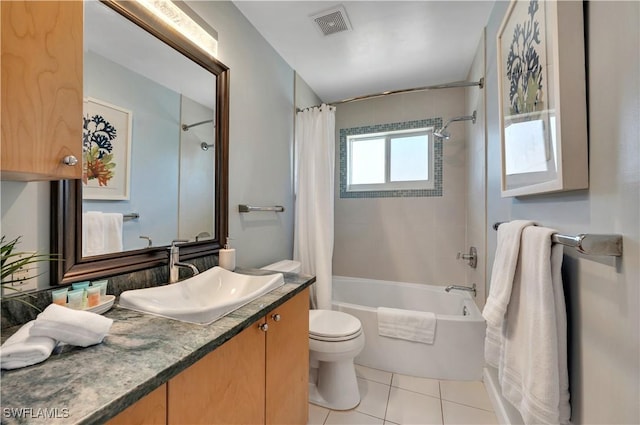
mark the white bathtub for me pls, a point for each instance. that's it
(458, 349)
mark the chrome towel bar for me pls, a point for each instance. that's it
(130, 216)
(248, 208)
(588, 243)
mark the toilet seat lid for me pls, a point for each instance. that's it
(332, 324)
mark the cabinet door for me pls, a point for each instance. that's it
(287, 380)
(150, 410)
(224, 387)
(41, 89)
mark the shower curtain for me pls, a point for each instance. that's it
(314, 176)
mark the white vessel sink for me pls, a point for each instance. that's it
(203, 298)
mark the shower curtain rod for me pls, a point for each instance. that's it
(479, 83)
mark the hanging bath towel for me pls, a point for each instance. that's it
(533, 360)
(502, 274)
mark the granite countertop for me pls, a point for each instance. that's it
(90, 385)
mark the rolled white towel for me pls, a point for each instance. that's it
(74, 327)
(22, 349)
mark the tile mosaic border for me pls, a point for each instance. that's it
(379, 128)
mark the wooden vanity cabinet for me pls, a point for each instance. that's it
(150, 410)
(224, 387)
(287, 358)
(260, 376)
(41, 100)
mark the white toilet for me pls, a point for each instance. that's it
(335, 339)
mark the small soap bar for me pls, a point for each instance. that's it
(227, 259)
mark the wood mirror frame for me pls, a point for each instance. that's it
(66, 195)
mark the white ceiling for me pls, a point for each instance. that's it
(393, 45)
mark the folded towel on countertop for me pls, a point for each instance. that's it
(22, 349)
(75, 327)
(417, 326)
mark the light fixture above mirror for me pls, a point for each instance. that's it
(175, 17)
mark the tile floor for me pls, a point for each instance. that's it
(390, 398)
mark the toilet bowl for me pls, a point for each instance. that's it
(335, 339)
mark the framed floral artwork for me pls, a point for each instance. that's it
(106, 151)
(542, 98)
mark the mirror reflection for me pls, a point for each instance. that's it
(148, 139)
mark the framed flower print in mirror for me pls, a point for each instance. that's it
(153, 99)
(542, 98)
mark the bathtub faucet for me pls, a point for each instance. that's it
(462, 288)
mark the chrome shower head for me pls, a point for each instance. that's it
(441, 132)
(205, 147)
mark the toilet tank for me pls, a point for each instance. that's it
(285, 266)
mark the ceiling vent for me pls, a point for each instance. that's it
(332, 21)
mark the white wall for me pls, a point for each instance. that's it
(476, 206)
(603, 293)
(155, 147)
(305, 96)
(25, 213)
(405, 239)
(196, 189)
(260, 136)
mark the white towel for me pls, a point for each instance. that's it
(533, 361)
(22, 349)
(410, 325)
(92, 233)
(74, 327)
(504, 267)
(112, 225)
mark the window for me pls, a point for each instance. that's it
(392, 160)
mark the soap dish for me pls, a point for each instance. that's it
(105, 305)
(106, 302)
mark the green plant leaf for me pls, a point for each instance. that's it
(22, 299)
(11, 261)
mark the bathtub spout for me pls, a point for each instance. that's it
(462, 288)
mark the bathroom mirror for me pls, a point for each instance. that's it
(173, 179)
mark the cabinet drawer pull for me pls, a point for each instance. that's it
(70, 160)
(263, 327)
(276, 317)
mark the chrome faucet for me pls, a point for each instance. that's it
(462, 288)
(174, 261)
